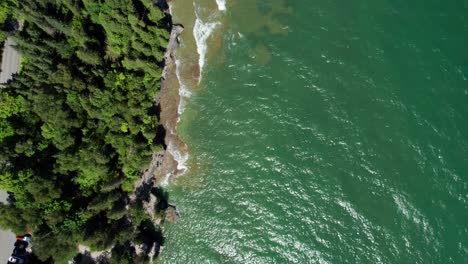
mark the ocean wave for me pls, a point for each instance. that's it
(221, 4)
(201, 32)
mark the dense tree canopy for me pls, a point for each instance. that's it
(5, 11)
(78, 124)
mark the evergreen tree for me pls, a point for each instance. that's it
(77, 125)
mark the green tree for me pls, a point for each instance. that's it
(77, 124)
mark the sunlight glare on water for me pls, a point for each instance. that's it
(325, 132)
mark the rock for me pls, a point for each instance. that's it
(150, 205)
(172, 215)
(141, 249)
(178, 28)
(173, 41)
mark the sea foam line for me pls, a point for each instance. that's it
(201, 32)
(172, 148)
(180, 157)
(184, 91)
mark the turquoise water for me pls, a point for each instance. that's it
(328, 132)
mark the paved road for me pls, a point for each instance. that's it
(10, 65)
(7, 238)
(10, 61)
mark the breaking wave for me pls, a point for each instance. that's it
(221, 4)
(201, 32)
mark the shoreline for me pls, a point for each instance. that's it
(168, 101)
(163, 165)
(182, 74)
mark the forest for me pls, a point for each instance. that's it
(7, 21)
(78, 123)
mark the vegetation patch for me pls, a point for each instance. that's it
(78, 124)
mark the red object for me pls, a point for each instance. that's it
(21, 238)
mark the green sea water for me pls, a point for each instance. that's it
(325, 131)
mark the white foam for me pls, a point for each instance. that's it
(221, 4)
(184, 92)
(180, 157)
(201, 32)
(165, 181)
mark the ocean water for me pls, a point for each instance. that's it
(322, 132)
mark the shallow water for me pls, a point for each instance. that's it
(324, 132)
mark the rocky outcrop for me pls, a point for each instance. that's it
(169, 100)
(172, 214)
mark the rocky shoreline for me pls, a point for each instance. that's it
(164, 166)
(168, 101)
(149, 188)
